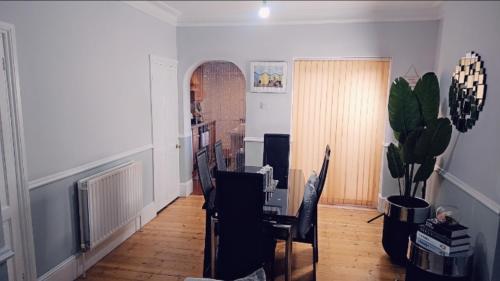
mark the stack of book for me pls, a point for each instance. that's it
(442, 238)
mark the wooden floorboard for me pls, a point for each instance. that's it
(170, 248)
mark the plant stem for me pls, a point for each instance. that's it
(424, 189)
(407, 181)
(411, 174)
(399, 183)
(415, 189)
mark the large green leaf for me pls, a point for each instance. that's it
(427, 93)
(404, 112)
(394, 162)
(425, 170)
(409, 156)
(434, 139)
(397, 136)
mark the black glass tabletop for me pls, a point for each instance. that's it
(281, 203)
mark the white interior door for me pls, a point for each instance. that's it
(8, 181)
(165, 130)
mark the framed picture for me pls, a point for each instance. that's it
(268, 77)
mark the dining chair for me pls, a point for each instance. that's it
(219, 156)
(323, 172)
(208, 190)
(244, 245)
(207, 186)
(306, 229)
(276, 154)
(319, 190)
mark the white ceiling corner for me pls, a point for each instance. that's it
(222, 13)
(230, 13)
(157, 9)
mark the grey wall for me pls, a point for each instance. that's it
(4, 275)
(483, 225)
(405, 42)
(3, 266)
(477, 149)
(473, 157)
(54, 212)
(185, 158)
(84, 73)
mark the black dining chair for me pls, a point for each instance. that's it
(219, 156)
(205, 177)
(324, 170)
(244, 245)
(276, 154)
(306, 229)
(208, 190)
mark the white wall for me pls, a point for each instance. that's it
(84, 75)
(474, 157)
(405, 42)
(78, 61)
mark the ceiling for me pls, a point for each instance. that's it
(219, 13)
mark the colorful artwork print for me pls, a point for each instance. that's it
(268, 77)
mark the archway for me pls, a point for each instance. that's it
(217, 99)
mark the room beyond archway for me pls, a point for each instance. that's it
(217, 95)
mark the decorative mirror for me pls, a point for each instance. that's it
(467, 92)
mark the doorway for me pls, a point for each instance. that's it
(17, 261)
(217, 92)
(341, 103)
(164, 108)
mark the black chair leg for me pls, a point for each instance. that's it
(269, 267)
(314, 270)
(315, 245)
(207, 272)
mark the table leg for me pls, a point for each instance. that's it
(213, 247)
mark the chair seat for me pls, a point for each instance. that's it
(282, 233)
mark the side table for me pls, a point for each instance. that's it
(425, 265)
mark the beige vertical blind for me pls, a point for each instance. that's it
(341, 103)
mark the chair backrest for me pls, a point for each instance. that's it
(309, 215)
(324, 172)
(239, 203)
(277, 154)
(219, 156)
(204, 173)
(309, 206)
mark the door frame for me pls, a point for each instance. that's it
(14, 96)
(155, 58)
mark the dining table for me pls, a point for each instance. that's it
(281, 210)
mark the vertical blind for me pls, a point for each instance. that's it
(341, 103)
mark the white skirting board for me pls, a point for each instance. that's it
(186, 188)
(381, 203)
(72, 267)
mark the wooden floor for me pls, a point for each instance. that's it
(171, 248)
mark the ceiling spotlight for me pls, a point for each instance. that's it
(264, 11)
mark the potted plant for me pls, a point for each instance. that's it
(421, 137)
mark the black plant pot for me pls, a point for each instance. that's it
(401, 219)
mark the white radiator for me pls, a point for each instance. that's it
(108, 201)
